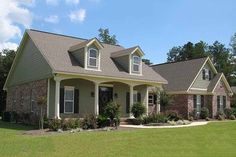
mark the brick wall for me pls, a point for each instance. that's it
(23, 98)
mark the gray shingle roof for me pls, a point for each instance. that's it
(179, 75)
(123, 52)
(54, 48)
(214, 82)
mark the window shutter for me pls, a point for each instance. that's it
(76, 101)
(195, 101)
(139, 97)
(61, 100)
(224, 102)
(155, 99)
(202, 100)
(218, 103)
(209, 74)
(203, 74)
(127, 102)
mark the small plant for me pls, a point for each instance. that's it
(228, 112)
(138, 110)
(173, 115)
(89, 122)
(204, 113)
(55, 124)
(220, 115)
(232, 117)
(103, 121)
(155, 118)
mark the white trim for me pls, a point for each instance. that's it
(200, 70)
(69, 88)
(85, 57)
(95, 40)
(130, 62)
(48, 97)
(201, 89)
(107, 85)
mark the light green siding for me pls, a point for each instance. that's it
(199, 82)
(124, 62)
(30, 65)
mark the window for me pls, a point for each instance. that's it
(151, 99)
(221, 103)
(206, 74)
(136, 63)
(93, 58)
(198, 102)
(69, 100)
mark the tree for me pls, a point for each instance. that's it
(147, 61)
(165, 100)
(6, 60)
(42, 101)
(233, 44)
(104, 36)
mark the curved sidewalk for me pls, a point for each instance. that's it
(172, 126)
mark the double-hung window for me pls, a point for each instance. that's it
(93, 58)
(150, 99)
(221, 103)
(69, 99)
(136, 64)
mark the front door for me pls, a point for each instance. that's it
(105, 96)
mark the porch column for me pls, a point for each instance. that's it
(146, 102)
(57, 98)
(158, 102)
(131, 91)
(96, 97)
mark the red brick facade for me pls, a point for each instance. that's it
(183, 103)
(23, 98)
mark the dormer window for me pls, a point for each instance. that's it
(136, 64)
(206, 74)
(93, 58)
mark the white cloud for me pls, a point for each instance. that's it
(72, 1)
(52, 19)
(13, 14)
(77, 15)
(8, 45)
(52, 2)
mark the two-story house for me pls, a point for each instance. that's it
(194, 84)
(77, 76)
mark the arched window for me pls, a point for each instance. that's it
(93, 59)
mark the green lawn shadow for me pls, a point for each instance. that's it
(15, 126)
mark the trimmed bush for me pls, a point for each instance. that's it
(138, 110)
(103, 121)
(204, 113)
(55, 124)
(155, 118)
(228, 112)
(173, 115)
(89, 122)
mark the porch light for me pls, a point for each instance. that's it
(92, 94)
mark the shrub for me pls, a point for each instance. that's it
(207, 119)
(6, 116)
(103, 121)
(112, 110)
(89, 122)
(194, 114)
(220, 115)
(55, 124)
(155, 118)
(138, 110)
(204, 113)
(228, 112)
(232, 117)
(136, 121)
(173, 115)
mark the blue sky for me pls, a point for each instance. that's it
(155, 25)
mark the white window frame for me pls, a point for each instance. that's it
(96, 58)
(139, 65)
(152, 99)
(71, 88)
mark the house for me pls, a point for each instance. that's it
(77, 76)
(195, 84)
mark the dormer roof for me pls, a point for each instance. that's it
(86, 43)
(127, 51)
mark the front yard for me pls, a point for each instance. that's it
(216, 139)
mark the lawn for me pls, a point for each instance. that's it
(216, 139)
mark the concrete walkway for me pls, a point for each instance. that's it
(172, 126)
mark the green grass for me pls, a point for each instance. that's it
(216, 139)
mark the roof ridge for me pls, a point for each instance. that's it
(69, 36)
(178, 61)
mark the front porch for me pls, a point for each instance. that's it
(73, 96)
